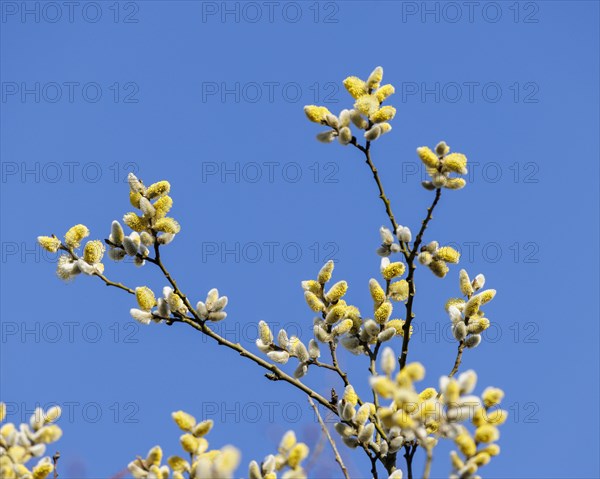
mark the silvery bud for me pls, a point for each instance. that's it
(358, 120)
(387, 238)
(345, 136)
(388, 360)
(396, 443)
(217, 316)
(163, 308)
(313, 349)
(343, 429)
(425, 258)
(373, 133)
(116, 232)
(459, 330)
(130, 247)
(165, 238)
(146, 207)
(327, 136)
(366, 433)
(211, 299)
(351, 442)
(478, 282)
(300, 371)
(280, 357)
(348, 412)
(404, 233)
(345, 118)
(202, 310)
(135, 184)
(282, 339)
(473, 341)
(332, 121)
(300, 350)
(116, 254)
(386, 335)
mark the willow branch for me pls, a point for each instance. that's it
(428, 461)
(457, 361)
(338, 458)
(410, 279)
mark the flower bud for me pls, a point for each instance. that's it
(325, 273)
(428, 157)
(473, 341)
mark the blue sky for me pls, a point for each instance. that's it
(209, 96)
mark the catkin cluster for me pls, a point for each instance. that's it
(368, 113)
(400, 414)
(468, 320)
(151, 226)
(20, 445)
(206, 463)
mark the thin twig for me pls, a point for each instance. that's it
(428, 461)
(338, 458)
(409, 453)
(457, 361)
(410, 279)
(55, 459)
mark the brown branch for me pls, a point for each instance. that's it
(338, 458)
(457, 361)
(55, 459)
(410, 279)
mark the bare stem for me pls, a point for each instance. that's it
(428, 461)
(457, 361)
(338, 458)
(410, 279)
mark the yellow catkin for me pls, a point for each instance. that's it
(189, 443)
(298, 453)
(383, 312)
(350, 395)
(134, 198)
(158, 189)
(456, 163)
(325, 272)
(455, 183)
(315, 113)
(203, 428)
(93, 251)
(448, 254)
(385, 113)
(367, 104)
(167, 225)
(439, 268)
(399, 290)
(384, 92)
(313, 302)
(154, 456)
(487, 433)
(355, 86)
(184, 420)
(49, 243)
(75, 234)
(428, 157)
(492, 396)
(487, 295)
(465, 444)
(145, 298)
(466, 288)
(135, 222)
(163, 206)
(42, 471)
(393, 270)
(336, 292)
(377, 292)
